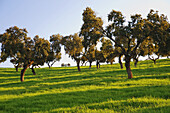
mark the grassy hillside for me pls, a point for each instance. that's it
(104, 90)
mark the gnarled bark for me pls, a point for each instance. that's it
(24, 69)
(127, 65)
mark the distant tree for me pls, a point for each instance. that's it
(91, 31)
(108, 50)
(62, 65)
(119, 54)
(84, 60)
(16, 64)
(55, 50)
(99, 57)
(160, 31)
(73, 47)
(143, 50)
(90, 55)
(152, 50)
(68, 64)
(40, 52)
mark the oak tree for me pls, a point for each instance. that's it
(160, 32)
(91, 31)
(55, 50)
(16, 44)
(73, 47)
(132, 34)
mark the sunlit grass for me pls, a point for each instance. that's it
(107, 89)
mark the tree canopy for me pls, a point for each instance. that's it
(73, 47)
(130, 39)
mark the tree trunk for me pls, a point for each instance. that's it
(90, 65)
(127, 65)
(24, 69)
(78, 65)
(136, 61)
(154, 61)
(97, 64)
(23, 72)
(16, 67)
(85, 63)
(82, 63)
(111, 62)
(48, 65)
(120, 61)
(33, 71)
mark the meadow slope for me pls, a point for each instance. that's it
(64, 89)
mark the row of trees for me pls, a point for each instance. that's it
(132, 39)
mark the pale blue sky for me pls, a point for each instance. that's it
(47, 17)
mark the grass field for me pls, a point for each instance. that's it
(105, 90)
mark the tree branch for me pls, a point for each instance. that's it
(123, 49)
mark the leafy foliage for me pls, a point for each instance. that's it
(129, 37)
(16, 44)
(55, 49)
(73, 47)
(91, 29)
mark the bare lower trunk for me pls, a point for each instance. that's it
(52, 63)
(82, 63)
(120, 62)
(111, 62)
(85, 63)
(97, 64)
(136, 61)
(90, 65)
(154, 61)
(16, 68)
(23, 73)
(24, 69)
(78, 66)
(48, 65)
(127, 65)
(33, 71)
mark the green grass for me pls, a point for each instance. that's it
(107, 89)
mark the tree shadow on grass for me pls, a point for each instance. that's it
(47, 102)
(157, 73)
(161, 109)
(94, 78)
